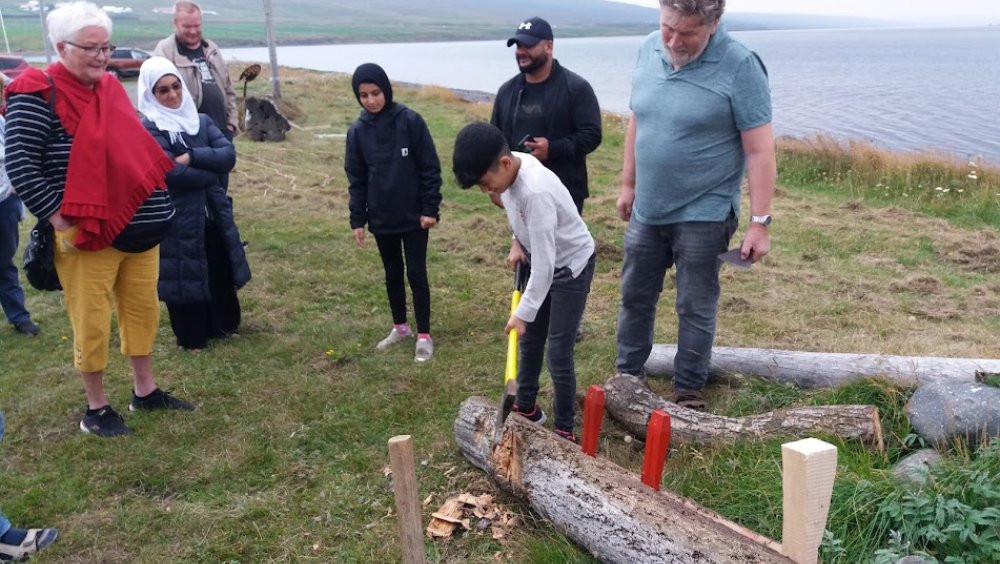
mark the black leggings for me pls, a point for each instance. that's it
(392, 248)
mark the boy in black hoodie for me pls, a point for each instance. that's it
(395, 188)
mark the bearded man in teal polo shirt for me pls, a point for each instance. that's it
(701, 118)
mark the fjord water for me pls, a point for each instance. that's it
(899, 89)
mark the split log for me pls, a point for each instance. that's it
(598, 504)
(827, 370)
(629, 402)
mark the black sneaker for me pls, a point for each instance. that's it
(159, 400)
(27, 327)
(103, 422)
(536, 415)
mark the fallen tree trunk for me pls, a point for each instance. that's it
(600, 505)
(827, 370)
(630, 403)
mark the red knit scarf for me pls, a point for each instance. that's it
(114, 164)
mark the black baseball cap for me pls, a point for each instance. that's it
(531, 31)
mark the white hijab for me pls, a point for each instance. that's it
(183, 119)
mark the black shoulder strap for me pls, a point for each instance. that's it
(52, 94)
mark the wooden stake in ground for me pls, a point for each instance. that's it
(404, 485)
(631, 403)
(808, 469)
(600, 505)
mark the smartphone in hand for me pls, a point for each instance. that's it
(525, 139)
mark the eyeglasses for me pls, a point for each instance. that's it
(93, 51)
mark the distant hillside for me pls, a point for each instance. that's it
(753, 21)
(240, 22)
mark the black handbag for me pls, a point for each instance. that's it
(39, 258)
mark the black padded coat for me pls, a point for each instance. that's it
(198, 196)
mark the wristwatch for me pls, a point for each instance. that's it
(764, 220)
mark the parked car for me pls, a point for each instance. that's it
(125, 62)
(12, 66)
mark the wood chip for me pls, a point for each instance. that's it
(445, 519)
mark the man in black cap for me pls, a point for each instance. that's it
(549, 111)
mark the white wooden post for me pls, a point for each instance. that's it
(808, 469)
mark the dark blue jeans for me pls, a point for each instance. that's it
(4, 523)
(11, 294)
(692, 248)
(556, 322)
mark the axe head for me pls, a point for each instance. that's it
(503, 410)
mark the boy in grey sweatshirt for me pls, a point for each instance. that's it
(554, 242)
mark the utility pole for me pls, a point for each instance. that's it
(4, 26)
(45, 33)
(272, 49)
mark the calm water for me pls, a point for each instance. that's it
(899, 89)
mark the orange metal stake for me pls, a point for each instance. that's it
(593, 414)
(657, 444)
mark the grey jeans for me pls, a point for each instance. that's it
(556, 322)
(692, 248)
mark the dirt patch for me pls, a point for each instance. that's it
(937, 308)
(922, 284)
(735, 305)
(881, 262)
(983, 300)
(979, 252)
(480, 223)
(608, 251)
(853, 205)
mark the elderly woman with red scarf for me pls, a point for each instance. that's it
(78, 156)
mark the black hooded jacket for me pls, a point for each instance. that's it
(573, 124)
(391, 164)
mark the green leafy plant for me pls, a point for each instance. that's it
(832, 550)
(955, 515)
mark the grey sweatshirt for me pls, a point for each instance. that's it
(545, 221)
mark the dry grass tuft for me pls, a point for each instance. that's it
(436, 93)
(919, 284)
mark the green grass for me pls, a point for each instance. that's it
(145, 31)
(285, 460)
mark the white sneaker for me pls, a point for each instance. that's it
(394, 337)
(425, 350)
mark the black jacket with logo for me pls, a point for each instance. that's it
(393, 170)
(573, 124)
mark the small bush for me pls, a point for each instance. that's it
(955, 514)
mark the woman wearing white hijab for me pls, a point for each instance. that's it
(202, 262)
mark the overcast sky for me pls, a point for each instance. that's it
(883, 9)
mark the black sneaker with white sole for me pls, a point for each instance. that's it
(103, 422)
(159, 400)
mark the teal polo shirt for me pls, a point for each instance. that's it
(689, 159)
